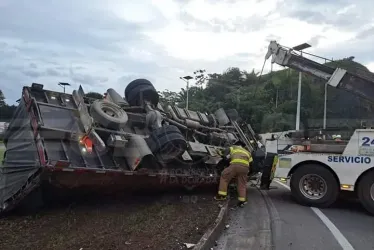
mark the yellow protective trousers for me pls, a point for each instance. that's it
(238, 171)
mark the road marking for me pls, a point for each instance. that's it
(343, 242)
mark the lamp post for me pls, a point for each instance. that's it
(299, 48)
(186, 79)
(63, 85)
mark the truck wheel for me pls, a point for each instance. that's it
(136, 83)
(366, 191)
(108, 114)
(314, 185)
(139, 90)
(167, 142)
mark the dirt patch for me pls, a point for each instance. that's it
(157, 222)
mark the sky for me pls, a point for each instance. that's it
(106, 44)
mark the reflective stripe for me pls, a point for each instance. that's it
(240, 155)
(241, 198)
(222, 193)
(245, 162)
(241, 151)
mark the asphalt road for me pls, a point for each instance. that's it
(346, 225)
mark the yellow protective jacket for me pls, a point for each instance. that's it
(237, 155)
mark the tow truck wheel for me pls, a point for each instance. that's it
(314, 185)
(366, 191)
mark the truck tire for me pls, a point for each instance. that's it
(108, 114)
(314, 185)
(365, 191)
(137, 91)
(167, 142)
(135, 83)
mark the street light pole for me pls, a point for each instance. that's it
(325, 108)
(298, 103)
(299, 48)
(187, 80)
(63, 85)
(188, 87)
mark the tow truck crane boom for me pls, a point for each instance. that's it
(361, 84)
(345, 165)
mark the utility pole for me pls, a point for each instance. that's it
(325, 108)
(299, 48)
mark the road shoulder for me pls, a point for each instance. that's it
(249, 227)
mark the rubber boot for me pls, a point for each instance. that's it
(220, 197)
(241, 203)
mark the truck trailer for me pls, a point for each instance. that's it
(70, 141)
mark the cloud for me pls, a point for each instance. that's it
(102, 44)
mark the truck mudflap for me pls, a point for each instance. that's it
(274, 167)
(268, 172)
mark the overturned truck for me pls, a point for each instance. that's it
(72, 141)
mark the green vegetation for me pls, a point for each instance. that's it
(268, 102)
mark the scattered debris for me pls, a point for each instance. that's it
(227, 226)
(189, 245)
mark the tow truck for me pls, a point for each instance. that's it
(319, 170)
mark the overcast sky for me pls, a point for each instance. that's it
(101, 44)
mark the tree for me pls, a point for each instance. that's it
(168, 97)
(2, 99)
(269, 102)
(94, 95)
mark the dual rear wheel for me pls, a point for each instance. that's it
(315, 185)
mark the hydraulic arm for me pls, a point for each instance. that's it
(361, 84)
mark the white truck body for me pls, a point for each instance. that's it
(324, 168)
(357, 158)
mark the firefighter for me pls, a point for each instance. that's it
(240, 159)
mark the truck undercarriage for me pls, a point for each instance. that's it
(72, 141)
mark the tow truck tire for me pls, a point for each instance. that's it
(322, 177)
(365, 191)
(108, 114)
